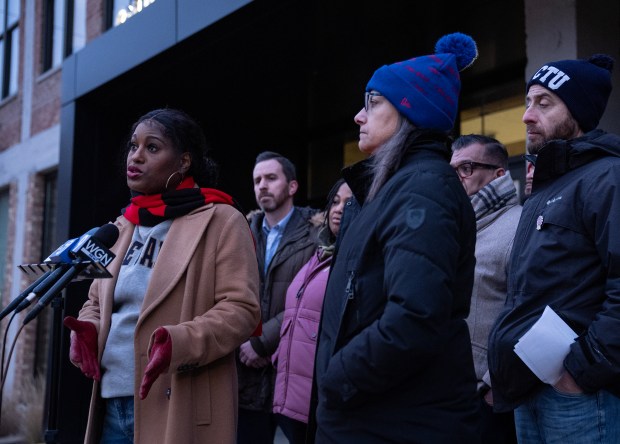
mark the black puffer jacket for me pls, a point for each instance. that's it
(298, 242)
(394, 359)
(566, 254)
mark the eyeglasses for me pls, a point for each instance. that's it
(531, 158)
(367, 96)
(466, 169)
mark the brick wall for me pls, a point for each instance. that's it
(32, 346)
(10, 122)
(8, 271)
(26, 349)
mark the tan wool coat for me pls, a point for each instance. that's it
(204, 291)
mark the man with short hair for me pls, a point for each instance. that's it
(285, 240)
(482, 165)
(566, 256)
(530, 164)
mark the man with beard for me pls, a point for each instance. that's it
(285, 239)
(566, 255)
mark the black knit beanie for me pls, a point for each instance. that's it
(583, 85)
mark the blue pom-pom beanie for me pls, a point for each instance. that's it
(426, 89)
(583, 85)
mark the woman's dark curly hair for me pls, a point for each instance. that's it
(328, 206)
(186, 136)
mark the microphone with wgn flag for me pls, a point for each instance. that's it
(92, 256)
(63, 254)
(52, 268)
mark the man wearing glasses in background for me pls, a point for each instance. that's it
(530, 164)
(481, 163)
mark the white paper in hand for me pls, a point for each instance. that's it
(544, 346)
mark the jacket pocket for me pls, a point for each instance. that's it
(310, 328)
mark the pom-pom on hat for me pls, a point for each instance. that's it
(426, 89)
(583, 85)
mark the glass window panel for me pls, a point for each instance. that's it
(79, 25)
(2, 14)
(13, 15)
(501, 120)
(4, 228)
(58, 32)
(2, 79)
(48, 242)
(14, 61)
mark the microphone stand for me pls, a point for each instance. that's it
(51, 432)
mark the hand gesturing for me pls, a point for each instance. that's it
(83, 351)
(159, 360)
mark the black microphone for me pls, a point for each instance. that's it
(15, 302)
(60, 255)
(90, 250)
(43, 286)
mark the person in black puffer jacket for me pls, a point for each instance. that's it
(394, 360)
(566, 256)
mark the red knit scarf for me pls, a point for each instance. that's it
(149, 210)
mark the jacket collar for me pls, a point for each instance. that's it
(359, 175)
(557, 157)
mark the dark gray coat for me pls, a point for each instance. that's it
(299, 241)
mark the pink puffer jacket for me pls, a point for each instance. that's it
(294, 358)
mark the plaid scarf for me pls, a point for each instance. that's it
(149, 210)
(495, 195)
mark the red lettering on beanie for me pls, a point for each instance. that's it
(435, 58)
(416, 73)
(443, 94)
(404, 102)
(454, 73)
(419, 88)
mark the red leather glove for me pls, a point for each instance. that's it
(83, 350)
(159, 360)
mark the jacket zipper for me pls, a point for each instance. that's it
(350, 288)
(350, 295)
(310, 274)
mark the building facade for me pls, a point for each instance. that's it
(279, 75)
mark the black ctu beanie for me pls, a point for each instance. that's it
(583, 85)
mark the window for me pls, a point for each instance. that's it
(500, 119)
(64, 30)
(48, 243)
(4, 228)
(9, 46)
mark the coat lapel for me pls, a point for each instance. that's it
(177, 250)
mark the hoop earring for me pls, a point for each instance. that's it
(171, 176)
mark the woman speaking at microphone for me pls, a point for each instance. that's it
(159, 337)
